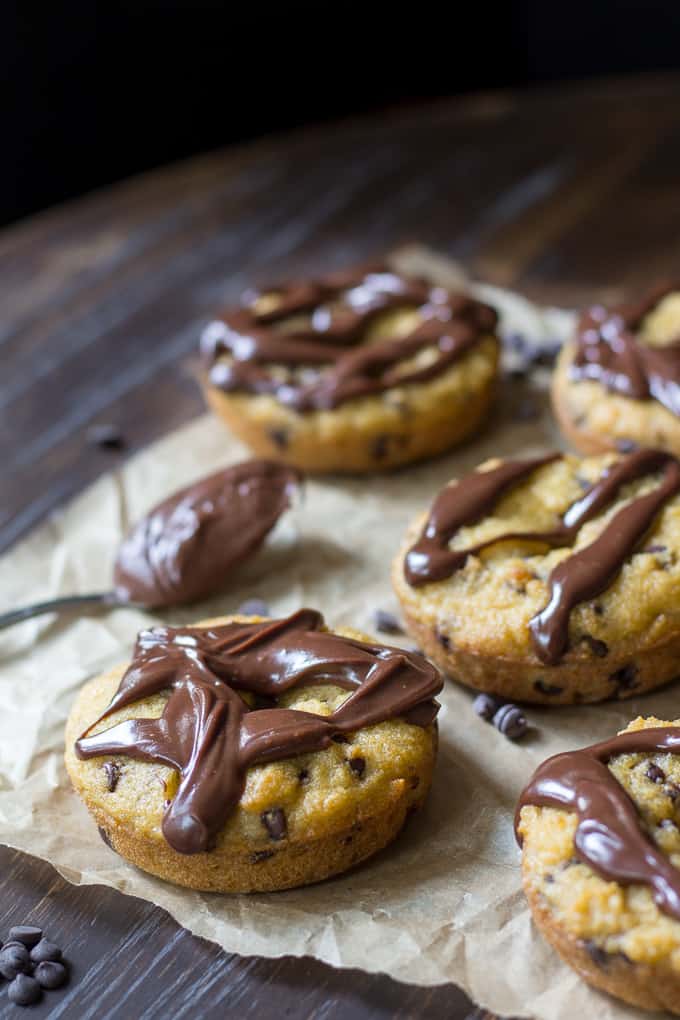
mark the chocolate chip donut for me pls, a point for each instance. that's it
(247, 754)
(357, 371)
(617, 384)
(551, 579)
(601, 861)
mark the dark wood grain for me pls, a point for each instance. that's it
(567, 194)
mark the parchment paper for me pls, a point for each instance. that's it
(444, 903)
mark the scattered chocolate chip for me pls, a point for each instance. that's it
(253, 607)
(50, 974)
(112, 771)
(655, 549)
(667, 823)
(597, 647)
(274, 822)
(105, 837)
(279, 437)
(303, 776)
(672, 790)
(443, 640)
(549, 878)
(655, 774)
(386, 622)
(27, 934)
(626, 445)
(339, 738)
(45, 952)
(583, 483)
(624, 678)
(598, 955)
(357, 765)
(597, 609)
(261, 855)
(379, 447)
(108, 437)
(24, 991)
(486, 706)
(511, 722)
(546, 688)
(14, 959)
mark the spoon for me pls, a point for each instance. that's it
(99, 600)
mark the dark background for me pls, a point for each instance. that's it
(90, 93)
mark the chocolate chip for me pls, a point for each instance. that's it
(672, 790)
(597, 647)
(253, 607)
(27, 934)
(14, 959)
(511, 722)
(655, 548)
(626, 445)
(24, 991)
(443, 640)
(347, 840)
(50, 974)
(486, 706)
(303, 776)
(112, 771)
(379, 447)
(598, 955)
(546, 688)
(105, 837)
(624, 678)
(583, 483)
(261, 855)
(45, 952)
(279, 437)
(655, 774)
(415, 782)
(386, 622)
(667, 823)
(597, 609)
(274, 822)
(108, 437)
(357, 765)
(339, 738)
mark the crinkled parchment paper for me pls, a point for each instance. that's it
(444, 902)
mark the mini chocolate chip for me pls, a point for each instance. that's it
(667, 823)
(357, 765)
(626, 445)
(108, 437)
(597, 647)
(274, 822)
(303, 776)
(597, 609)
(45, 952)
(261, 855)
(386, 622)
(14, 959)
(50, 974)
(655, 548)
(379, 447)
(624, 678)
(598, 955)
(583, 483)
(112, 771)
(24, 991)
(279, 437)
(546, 688)
(339, 738)
(654, 773)
(105, 836)
(672, 790)
(511, 722)
(443, 640)
(486, 706)
(27, 934)
(253, 607)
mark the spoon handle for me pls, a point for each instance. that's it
(106, 599)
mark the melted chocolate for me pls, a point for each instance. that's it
(609, 352)
(609, 836)
(210, 735)
(184, 549)
(579, 577)
(327, 361)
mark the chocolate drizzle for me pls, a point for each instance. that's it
(579, 577)
(184, 549)
(610, 352)
(609, 836)
(211, 736)
(324, 359)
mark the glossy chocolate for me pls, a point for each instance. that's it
(609, 837)
(577, 578)
(186, 547)
(609, 352)
(325, 362)
(211, 736)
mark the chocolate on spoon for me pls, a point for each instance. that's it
(185, 548)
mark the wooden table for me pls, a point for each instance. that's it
(566, 194)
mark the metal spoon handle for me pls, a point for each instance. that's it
(107, 599)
